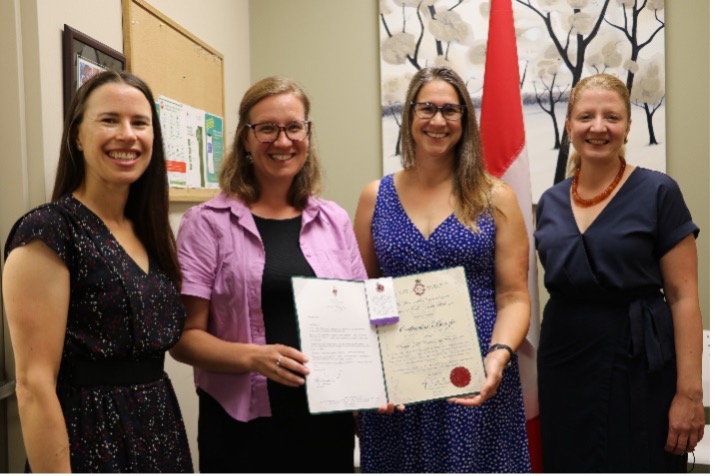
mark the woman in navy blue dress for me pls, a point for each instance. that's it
(90, 288)
(443, 210)
(619, 362)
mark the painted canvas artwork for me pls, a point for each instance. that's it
(558, 43)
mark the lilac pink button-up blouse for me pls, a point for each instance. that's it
(222, 259)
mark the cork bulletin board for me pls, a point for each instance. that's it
(174, 63)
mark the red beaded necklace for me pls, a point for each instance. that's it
(588, 202)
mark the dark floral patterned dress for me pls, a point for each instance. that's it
(117, 312)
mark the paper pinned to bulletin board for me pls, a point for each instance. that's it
(214, 148)
(187, 74)
(193, 144)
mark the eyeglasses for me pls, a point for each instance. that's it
(427, 110)
(267, 132)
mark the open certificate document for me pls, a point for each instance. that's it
(431, 352)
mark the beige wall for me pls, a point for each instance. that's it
(12, 201)
(687, 73)
(328, 45)
(331, 48)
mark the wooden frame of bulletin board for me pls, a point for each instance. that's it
(175, 64)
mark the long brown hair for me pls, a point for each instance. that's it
(603, 81)
(472, 183)
(237, 176)
(148, 203)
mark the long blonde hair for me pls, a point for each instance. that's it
(472, 183)
(237, 176)
(603, 81)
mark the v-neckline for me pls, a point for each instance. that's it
(116, 242)
(412, 223)
(608, 205)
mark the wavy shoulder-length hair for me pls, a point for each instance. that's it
(237, 177)
(603, 81)
(472, 183)
(148, 203)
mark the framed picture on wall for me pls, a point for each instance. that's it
(82, 58)
(86, 69)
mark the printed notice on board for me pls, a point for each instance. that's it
(193, 144)
(174, 131)
(214, 149)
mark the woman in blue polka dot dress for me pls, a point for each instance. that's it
(444, 210)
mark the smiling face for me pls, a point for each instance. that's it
(281, 160)
(436, 137)
(115, 135)
(598, 124)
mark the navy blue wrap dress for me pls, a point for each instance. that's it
(606, 360)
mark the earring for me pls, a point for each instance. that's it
(249, 158)
(626, 140)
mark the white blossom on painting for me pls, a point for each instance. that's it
(558, 42)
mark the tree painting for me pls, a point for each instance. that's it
(558, 41)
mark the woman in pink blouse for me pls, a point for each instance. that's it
(238, 253)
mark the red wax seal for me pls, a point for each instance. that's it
(460, 377)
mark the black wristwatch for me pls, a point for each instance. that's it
(494, 347)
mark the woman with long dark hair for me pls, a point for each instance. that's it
(91, 291)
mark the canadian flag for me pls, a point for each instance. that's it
(504, 142)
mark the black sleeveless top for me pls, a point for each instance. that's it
(284, 259)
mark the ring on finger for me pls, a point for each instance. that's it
(278, 362)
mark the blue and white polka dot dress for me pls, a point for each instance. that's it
(439, 437)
